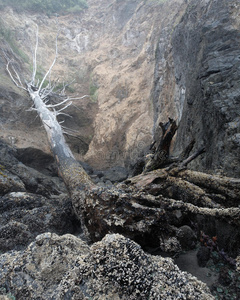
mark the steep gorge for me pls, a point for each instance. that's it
(141, 62)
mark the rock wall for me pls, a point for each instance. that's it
(207, 68)
(124, 124)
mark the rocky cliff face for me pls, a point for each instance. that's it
(125, 76)
(141, 62)
(207, 67)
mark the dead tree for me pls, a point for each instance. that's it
(160, 149)
(148, 207)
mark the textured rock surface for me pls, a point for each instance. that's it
(18, 177)
(54, 267)
(124, 73)
(207, 66)
(24, 216)
(30, 201)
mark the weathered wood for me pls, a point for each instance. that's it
(147, 213)
(160, 155)
(69, 169)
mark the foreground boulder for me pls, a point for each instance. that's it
(54, 267)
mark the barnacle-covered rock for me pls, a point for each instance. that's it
(55, 267)
(26, 215)
(238, 264)
(9, 182)
(35, 272)
(170, 245)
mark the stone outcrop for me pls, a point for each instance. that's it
(31, 202)
(25, 215)
(18, 177)
(207, 67)
(54, 267)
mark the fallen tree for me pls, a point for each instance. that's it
(151, 207)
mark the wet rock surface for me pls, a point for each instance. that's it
(54, 267)
(187, 237)
(203, 256)
(111, 175)
(25, 215)
(16, 176)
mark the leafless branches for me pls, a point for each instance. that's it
(12, 72)
(35, 59)
(45, 88)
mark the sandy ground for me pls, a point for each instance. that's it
(188, 262)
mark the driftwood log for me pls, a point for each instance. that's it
(151, 207)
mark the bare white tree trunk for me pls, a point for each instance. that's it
(70, 170)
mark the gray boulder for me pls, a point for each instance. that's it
(54, 267)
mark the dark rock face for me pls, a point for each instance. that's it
(18, 177)
(111, 175)
(186, 237)
(14, 106)
(37, 159)
(24, 216)
(30, 201)
(207, 66)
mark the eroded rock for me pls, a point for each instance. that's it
(18, 177)
(54, 267)
(186, 237)
(207, 68)
(25, 215)
(31, 202)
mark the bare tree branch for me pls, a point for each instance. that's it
(13, 74)
(58, 104)
(35, 60)
(52, 65)
(66, 106)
